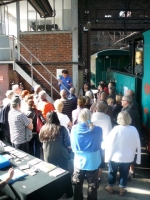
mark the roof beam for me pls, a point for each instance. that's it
(13, 1)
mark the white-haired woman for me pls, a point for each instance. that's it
(64, 119)
(43, 105)
(90, 95)
(86, 144)
(37, 89)
(9, 94)
(121, 145)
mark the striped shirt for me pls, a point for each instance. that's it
(17, 123)
(67, 109)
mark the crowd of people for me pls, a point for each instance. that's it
(97, 128)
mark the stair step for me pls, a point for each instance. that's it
(24, 68)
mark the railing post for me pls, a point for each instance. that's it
(51, 81)
(31, 69)
(13, 53)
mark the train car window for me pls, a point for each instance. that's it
(138, 58)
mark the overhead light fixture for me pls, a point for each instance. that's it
(43, 7)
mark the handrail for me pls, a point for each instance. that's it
(32, 55)
(38, 72)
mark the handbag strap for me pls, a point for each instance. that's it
(33, 116)
(36, 113)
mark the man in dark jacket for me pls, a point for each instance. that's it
(6, 129)
(1, 122)
(73, 98)
(127, 103)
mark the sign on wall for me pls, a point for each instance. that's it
(59, 73)
(1, 79)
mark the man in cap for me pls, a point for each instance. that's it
(17, 123)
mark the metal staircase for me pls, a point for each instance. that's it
(24, 65)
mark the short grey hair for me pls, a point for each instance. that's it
(128, 98)
(15, 87)
(89, 94)
(63, 93)
(85, 116)
(124, 118)
(72, 90)
(37, 89)
(42, 95)
(9, 94)
(130, 92)
(101, 107)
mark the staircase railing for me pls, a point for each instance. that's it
(29, 61)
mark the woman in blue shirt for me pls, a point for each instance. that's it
(86, 144)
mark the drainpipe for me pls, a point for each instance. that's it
(74, 28)
(18, 27)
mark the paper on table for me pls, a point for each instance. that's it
(34, 161)
(57, 172)
(45, 167)
(8, 148)
(24, 167)
(20, 155)
(30, 172)
(15, 152)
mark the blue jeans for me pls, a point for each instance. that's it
(34, 146)
(123, 169)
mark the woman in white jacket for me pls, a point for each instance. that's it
(120, 147)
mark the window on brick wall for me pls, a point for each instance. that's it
(31, 21)
(138, 57)
(108, 15)
(60, 21)
(122, 14)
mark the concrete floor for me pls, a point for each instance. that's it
(138, 188)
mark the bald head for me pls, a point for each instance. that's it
(63, 94)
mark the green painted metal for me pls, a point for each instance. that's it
(122, 81)
(102, 60)
(140, 85)
(145, 97)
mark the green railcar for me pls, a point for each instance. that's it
(103, 60)
(136, 76)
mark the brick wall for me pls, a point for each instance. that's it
(48, 48)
